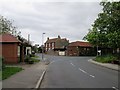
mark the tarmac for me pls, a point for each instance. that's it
(107, 65)
(30, 77)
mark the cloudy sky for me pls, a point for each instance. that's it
(69, 19)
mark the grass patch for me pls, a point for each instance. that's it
(36, 56)
(34, 59)
(0, 75)
(8, 71)
(106, 59)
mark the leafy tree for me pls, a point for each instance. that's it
(105, 31)
(6, 26)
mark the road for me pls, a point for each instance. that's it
(77, 72)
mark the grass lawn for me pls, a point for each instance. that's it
(8, 71)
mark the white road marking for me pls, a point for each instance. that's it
(115, 88)
(52, 62)
(72, 64)
(86, 73)
(82, 70)
(92, 76)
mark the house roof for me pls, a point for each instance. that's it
(6, 37)
(80, 43)
(51, 40)
(55, 39)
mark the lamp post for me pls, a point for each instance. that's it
(42, 45)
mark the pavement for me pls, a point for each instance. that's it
(107, 65)
(30, 77)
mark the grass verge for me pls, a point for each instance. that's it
(106, 59)
(34, 59)
(8, 71)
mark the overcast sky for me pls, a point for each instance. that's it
(70, 20)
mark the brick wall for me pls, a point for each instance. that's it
(72, 51)
(9, 52)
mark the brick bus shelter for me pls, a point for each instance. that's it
(9, 47)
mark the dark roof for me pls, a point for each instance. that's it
(55, 39)
(8, 38)
(80, 43)
(51, 40)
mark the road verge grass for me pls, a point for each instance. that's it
(8, 71)
(106, 59)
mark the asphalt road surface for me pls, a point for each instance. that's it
(77, 72)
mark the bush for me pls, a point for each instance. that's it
(106, 59)
(2, 65)
(30, 61)
(27, 58)
(32, 55)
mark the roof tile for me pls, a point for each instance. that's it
(80, 43)
(8, 38)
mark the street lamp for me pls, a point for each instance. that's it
(42, 45)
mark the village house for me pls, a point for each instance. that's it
(56, 46)
(10, 48)
(80, 48)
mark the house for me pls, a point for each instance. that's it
(10, 47)
(80, 48)
(56, 46)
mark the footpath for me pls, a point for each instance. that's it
(30, 77)
(107, 65)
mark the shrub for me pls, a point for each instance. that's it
(30, 61)
(32, 55)
(27, 58)
(2, 65)
(106, 59)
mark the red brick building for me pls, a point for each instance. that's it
(9, 47)
(80, 48)
(56, 45)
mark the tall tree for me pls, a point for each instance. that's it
(105, 31)
(6, 26)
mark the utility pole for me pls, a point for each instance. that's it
(42, 46)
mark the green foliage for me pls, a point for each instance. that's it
(27, 58)
(31, 59)
(106, 59)
(35, 59)
(105, 31)
(6, 26)
(8, 71)
(2, 65)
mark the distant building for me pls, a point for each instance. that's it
(56, 46)
(80, 48)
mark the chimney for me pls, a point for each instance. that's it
(48, 38)
(59, 36)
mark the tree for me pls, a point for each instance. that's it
(105, 31)
(6, 26)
